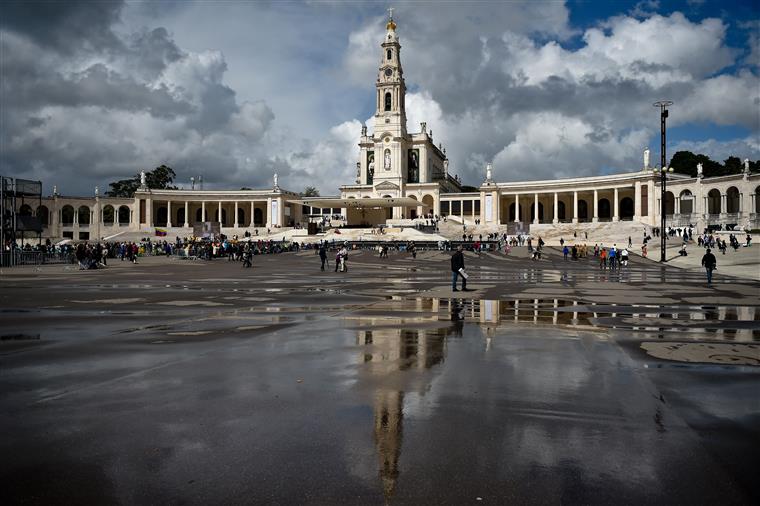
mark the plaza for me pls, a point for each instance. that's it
(201, 382)
(144, 361)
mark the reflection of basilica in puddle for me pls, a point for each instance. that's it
(394, 354)
(402, 341)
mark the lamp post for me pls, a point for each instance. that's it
(663, 105)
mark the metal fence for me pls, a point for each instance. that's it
(19, 257)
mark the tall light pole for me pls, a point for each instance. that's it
(663, 105)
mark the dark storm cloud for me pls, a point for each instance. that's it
(96, 86)
(64, 26)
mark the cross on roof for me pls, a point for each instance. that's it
(390, 12)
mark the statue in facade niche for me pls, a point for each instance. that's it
(387, 159)
(364, 130)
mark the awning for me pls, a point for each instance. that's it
(365, 203)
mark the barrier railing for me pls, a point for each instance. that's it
(20, 257)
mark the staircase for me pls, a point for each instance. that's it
(607, 233)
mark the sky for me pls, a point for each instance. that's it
(94, 91)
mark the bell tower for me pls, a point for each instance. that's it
(390, 113)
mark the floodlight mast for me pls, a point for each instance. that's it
(663, 105)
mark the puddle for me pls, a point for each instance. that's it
(735, 323)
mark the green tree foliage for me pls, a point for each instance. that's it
(685, 162)
(310, 191)
(160, 178)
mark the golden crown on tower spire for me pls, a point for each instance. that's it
(391, 25)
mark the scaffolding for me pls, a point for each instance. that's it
(17, 197)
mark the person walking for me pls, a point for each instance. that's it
(247, 256)
(565, 252)
(457, 269)
(709, 262)
(322, 255)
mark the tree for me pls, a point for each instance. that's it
(310, 191)
(160, 178)
(733, 165)
(685, 162)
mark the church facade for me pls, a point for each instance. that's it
(401, 176)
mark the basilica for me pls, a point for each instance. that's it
(402, 177)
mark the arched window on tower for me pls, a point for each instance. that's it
(387, 100)
(389, 54)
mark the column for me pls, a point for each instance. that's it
(575, 207)
(741, 204)
(616, 207)
(556, 210)
(637, 201)
(203, 211)
(535, 208)
(220, 214)
(596, 207)
(149, 211)
(168, 213)
(722, 203)
(676, 204)
(753, 203)
(461, 209)
(236, 214)
(517, 208)
(268, 217)
(187, 219)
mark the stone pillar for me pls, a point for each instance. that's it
(517, 208)
(723, 203)
(556, 208)
(203, 211)
(168, 213)
(236, 214)
(253, 206)
(637, 201)
(535, 208)
(219, 216)
(596, 207)
(149, 211)
(461, 209)
(616, 207)
(676, 204)
(187, 219)
(268, 216)
(575, 207)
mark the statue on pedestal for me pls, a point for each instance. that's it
(646, 158)
(699, 171)
(276, 186)
(142, 179)
(746, 169)
(97, 191)
(489, 170)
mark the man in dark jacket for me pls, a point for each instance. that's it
(709, 263)
(323, 254)
(457, 262)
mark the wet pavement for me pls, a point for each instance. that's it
(190, 382)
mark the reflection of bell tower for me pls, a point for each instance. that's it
(388, 409)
